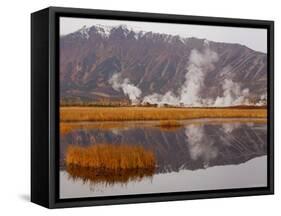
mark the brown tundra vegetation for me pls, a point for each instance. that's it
(68, 114)
(110, 158)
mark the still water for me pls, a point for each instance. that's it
(203, 154)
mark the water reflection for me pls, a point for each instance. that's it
(93, 176)
(194, 146)
(201, 146)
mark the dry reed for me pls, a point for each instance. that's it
(109, 157)
(153, 113)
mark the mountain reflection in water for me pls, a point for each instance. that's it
(200, 155)
(194, 146)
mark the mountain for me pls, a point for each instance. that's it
(154, 63)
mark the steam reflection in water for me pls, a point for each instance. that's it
(198, 147)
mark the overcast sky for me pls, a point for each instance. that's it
(253, 38)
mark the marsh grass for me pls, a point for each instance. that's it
(71, 114)
(110, 158)
(108, 163)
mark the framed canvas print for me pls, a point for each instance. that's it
(138, 107)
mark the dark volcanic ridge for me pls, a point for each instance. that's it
(116, 65)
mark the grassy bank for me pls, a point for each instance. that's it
(71, 114)
(108, 163)
(110, 158)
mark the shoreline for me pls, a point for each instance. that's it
(66, 127)
(101, 114)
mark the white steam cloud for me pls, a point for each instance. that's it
(189, 94)
(126, 86)
(232, 95)
(168, 98)
(262, 100)
(199, 65)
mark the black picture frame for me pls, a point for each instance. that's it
(45, 106)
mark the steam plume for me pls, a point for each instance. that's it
(168, 98)
(262, 100)
(232, 94)
(199, 65)
(126, 86)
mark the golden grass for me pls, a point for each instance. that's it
(109, 157)
(153, 113)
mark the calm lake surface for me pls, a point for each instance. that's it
(205, 154)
